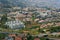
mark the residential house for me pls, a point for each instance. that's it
(20, 16)
(18, 38)
(36, 38)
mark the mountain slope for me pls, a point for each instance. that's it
(37, 3)
(4, 3)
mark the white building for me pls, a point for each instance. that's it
(44, 13)
(15, 24)
(9, 38)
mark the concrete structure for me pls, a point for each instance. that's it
(15, 24)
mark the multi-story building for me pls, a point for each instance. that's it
(15, 24)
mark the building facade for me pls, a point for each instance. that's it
(15, 24)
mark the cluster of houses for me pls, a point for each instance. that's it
(17, 17)
(14, 36)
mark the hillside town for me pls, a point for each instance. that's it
(30, 23)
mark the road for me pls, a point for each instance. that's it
(54, 38)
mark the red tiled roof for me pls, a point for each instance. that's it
(36, 39)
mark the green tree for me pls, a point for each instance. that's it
(4, 18)
(29, 37)
(3, 21)
(2, 36)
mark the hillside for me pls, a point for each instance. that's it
(36, 3)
